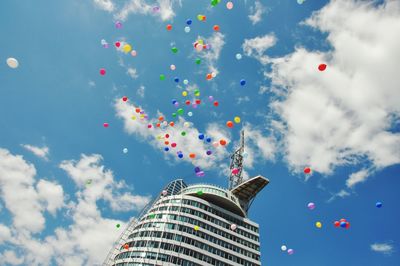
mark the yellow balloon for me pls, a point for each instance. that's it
(318, 224)
(127, 48)
(237, 119)
(200, 41)
(196, 228)
(133, 117)
(184, 93)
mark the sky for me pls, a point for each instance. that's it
(66, 180)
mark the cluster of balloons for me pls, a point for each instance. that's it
(342, 223)
(289, 251)
(230, 123)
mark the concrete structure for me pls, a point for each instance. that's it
(194, 225)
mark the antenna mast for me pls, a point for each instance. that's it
(237, 164)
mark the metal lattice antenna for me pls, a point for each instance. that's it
(237, 164)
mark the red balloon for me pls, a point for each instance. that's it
(166, 136)
(216, 27)
(347, 225)
(229, 124)
(222, 142)
(342, 220)
(102, 71)
(216, 103)
(336, 223)
(209, 76)
(307, 170)
(124, 98)
(173, 145)
(169, 27)
(321, 67)
(187, 102)
(105, 125)
(198, 101)
(117, 44)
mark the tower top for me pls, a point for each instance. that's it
(236, 167)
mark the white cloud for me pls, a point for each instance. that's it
(42, 152)
(132, 72)
(343, 115)
(257, 11)
(18, 192)
(51, 194)
(211, 56)
(341, 194)
(187, 144)
(384, 248)
(106, 5)
(74, 243)
(263, 89)
(358, 177)
(91, 83)
(257, 46)
(243, 99)
(141, 91)
(165, 12)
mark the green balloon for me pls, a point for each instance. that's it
(162, 77)
(173, 114)
(174, 50)
(198, 61)
(118, 225)
(199, 192)
(180, 111)
(183, 133)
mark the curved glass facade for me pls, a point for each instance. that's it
(183, 227)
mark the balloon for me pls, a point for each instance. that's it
(162, 77)
(237, 119)
(197, 94)
(198, 61)
(118, 24)
(187, 102)
(174, 50)
(166, 149)
(229, 124)
(336, 223)
(300, 2)
(283, 248)
(12, 62)
(201, 136)
(176, 79)
(211, 98)
(180, 111)
(124, 98)
(164, 192)
(208, 77)
(118, 225)
(196, 227)
(197, 169)
(307, 170)
(318, 224)
(199, 193)
(187, 29)
(105, 125)
(185, 81)
(89, 181)
(311, 205)
(209, 152)
(189, 21)
(233, 227)
(183, 133)
(222, 142)
(235, 171)
(198, 101)
(216, 103)
(213, 74)
(229, 5)
(238, 56)
(347, 225)
(102, 71)
(117, 44)
(186, 124)
(343, 224)
(190, 114)
(125, 150)
(290, 251)
(127, 48)
(215, 144)
(378, 204)
(180, 155)
(156, 9)
(192, 155)
(242, 82)
(321, 67)
(200, 174)
(216, 28)
(133, 53)
(199, 48)
(172, 67)
(169, 27)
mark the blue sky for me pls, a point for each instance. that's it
(343, 122)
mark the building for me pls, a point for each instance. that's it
(195, 225)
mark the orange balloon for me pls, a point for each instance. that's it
(161, 118)
(216, 27)
(171, 124)
(126, 246)
(229, 124)
(192, 155)
(166, 142)
(158, 125)
(222, 142)
(209, 76)
(137, 110)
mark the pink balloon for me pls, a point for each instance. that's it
(102, 71)
(229, 5)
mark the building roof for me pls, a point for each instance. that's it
(247, 190)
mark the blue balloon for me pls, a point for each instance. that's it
(166, 149)
(208, 139)
(343, 224)
(378, 204)
(180, 155)
(189, 21)
(176, 79)
(174, 101)
(201, 136)
(242, 82)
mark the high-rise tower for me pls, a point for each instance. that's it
(194, 225)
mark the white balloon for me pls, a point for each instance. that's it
(238, 56)
(187, 29)
(185, 81)
(125, 150)
(283, 248)
(12, 62)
